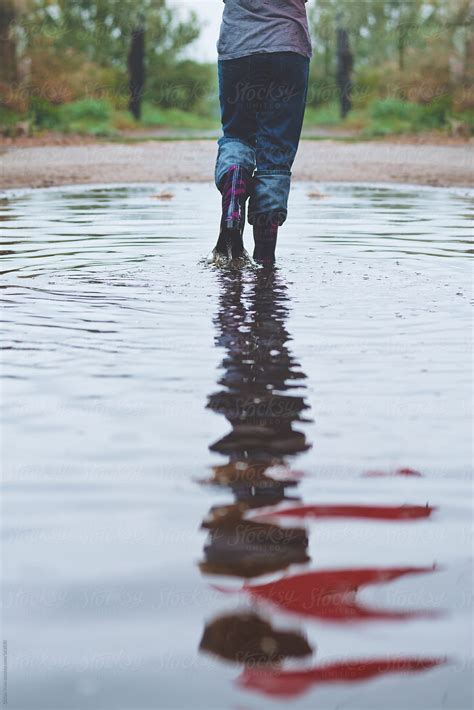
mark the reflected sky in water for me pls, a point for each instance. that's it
(224, 489)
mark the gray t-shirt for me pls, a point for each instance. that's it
(261, 26)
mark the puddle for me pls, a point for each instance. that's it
(236, 489)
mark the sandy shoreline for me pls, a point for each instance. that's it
(191, 161)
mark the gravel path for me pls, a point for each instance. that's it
(176, 161)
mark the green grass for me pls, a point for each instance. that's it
(99, 118)
(395, 116)
(154, 116)
(9, 119)
(94, 117)
(324, 115)
(391, 116)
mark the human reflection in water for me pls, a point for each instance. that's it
(260, 402)
(261, 397)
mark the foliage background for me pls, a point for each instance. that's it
(63, 66)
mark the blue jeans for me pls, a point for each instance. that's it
(263, 98)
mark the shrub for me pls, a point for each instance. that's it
(86, 110)
(186, 85)
(61, 77)
(398, 116)
(43, 114)
(388, 109)
(86, 116)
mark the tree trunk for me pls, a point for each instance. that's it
(136, 68)
(401, 47)
(468, 69)
(345, 63)
(8, 58)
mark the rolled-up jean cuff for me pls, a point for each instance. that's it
(233, 151)
(270, 194)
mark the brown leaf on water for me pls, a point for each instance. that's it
(164, 195)
(316, 195)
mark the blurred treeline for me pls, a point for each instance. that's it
(413, 63)
(64, 65)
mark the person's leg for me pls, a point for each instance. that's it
(236, 157)
(265, 235)
(279, 123)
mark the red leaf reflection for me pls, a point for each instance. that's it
(331, 594)
(373, 512)
(290, 683)
(398, 472)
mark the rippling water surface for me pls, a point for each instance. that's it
(231, 489)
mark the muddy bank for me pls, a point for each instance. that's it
(175, 161)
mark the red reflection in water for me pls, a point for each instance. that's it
(331, 595)
(290, 683)
(374, 512)
(398, 472)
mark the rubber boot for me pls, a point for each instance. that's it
(265, 234)
(235, 188)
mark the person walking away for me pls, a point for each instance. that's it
(264, 50)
